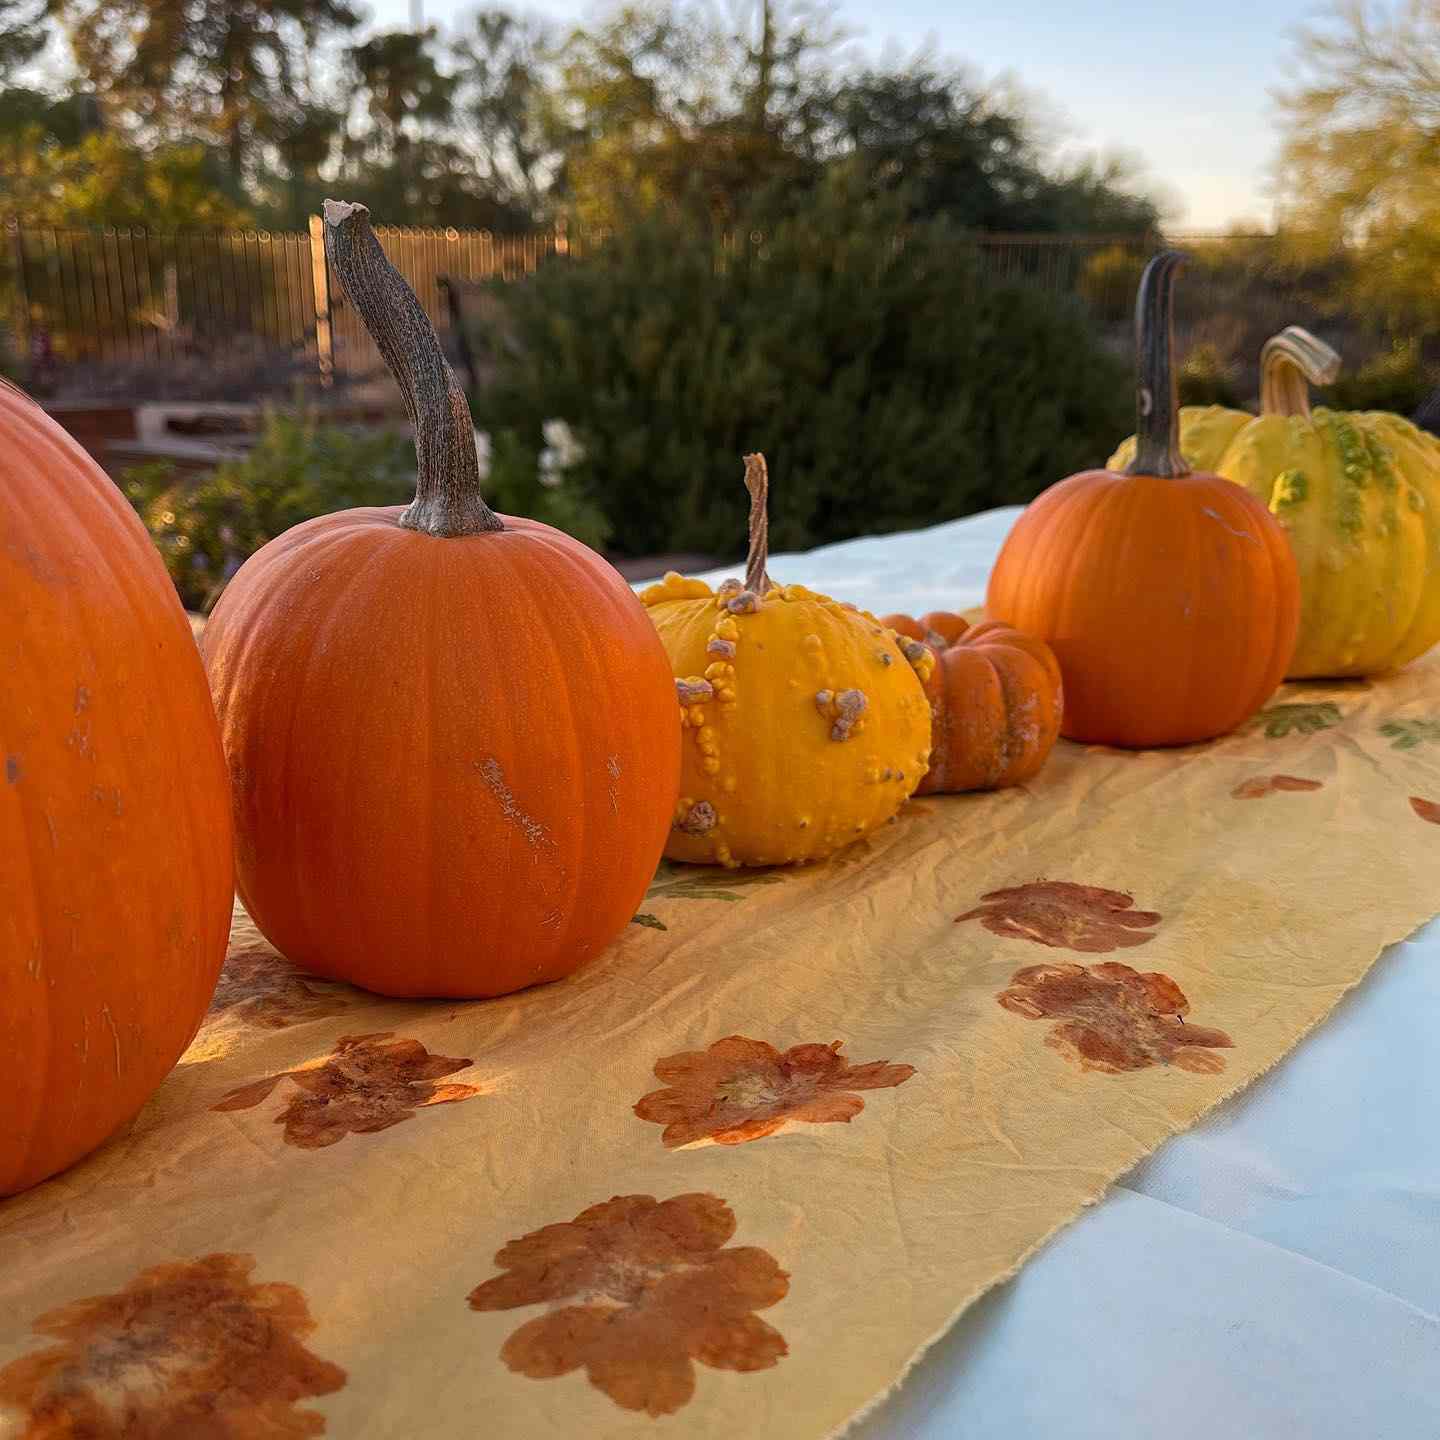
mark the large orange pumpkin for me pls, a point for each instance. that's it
(115, 855)
(995, 702)
(1170, 599)
(453, 735)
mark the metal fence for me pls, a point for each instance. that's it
(256, 306)
(243, 313)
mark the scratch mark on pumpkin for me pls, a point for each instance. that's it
(494, 778)
(114, 1036)
(1238, 534)
(612, 769)
(50, 826)
(82, 699)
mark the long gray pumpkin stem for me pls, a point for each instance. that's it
(1157, 404)
(447, 500)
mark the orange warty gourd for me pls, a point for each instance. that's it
(115, 854)
(995, 702)
(1170, 599)
(452, 735)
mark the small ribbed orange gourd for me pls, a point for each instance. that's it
(995, 702)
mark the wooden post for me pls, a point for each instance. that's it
(320, 272)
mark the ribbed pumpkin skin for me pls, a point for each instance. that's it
(454, 760)
(761, 753)
(1170, 603)
(115, 854)
(1359, 496)
(995, 702)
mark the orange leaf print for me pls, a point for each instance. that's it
(190, 1349)
(1258, 786)
(1426, 809)
(637, 1290)
(260, 988)
(1113, 1018)
(742, 1089)
(1065, 916)
(364, 1087)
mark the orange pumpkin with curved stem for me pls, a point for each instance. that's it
(1170, 599)
(995, 702)
(453, 735)
(116, 880)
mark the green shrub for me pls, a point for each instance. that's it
(1394, 380)
(888, 386)
(207, 526)
(1206, 377)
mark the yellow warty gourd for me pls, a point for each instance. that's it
(1358, 493)
(805, 720)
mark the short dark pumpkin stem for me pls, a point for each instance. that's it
(447, 487)
(757, 482)
(1157, 403)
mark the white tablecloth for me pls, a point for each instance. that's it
(1275, 1272)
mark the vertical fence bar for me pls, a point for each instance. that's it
(320, 280)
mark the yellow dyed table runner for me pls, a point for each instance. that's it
(735, 1176)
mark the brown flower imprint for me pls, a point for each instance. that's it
(1114, 1018)
(1259, 786)
(363, 1087)
(741, 1090)
(651, 1290)
(263, 989)
(1425, 809)
(1064, 915)
(190, 1348)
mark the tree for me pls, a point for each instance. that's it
(192, 69)
(404, 92)
(1360, 164)
(867, 370)
(104, 179)
(504, 80)
(942, 140)
(21, 35)
(667, 106)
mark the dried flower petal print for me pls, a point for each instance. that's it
(1113, 1018)
(637, 1290)
(190, 1348)
(365, 1086)
(261, 988)
(1064, 915)
(1426, 809)
(1259, 786)
(742, 1089)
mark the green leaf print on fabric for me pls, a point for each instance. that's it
(706, 882)
(1300, 718)
(1407, 734)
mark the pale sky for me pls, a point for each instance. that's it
(1184, 88)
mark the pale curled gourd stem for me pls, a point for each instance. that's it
(1290, 363)
(447, 500)
(757, 482)
(1157, 404)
